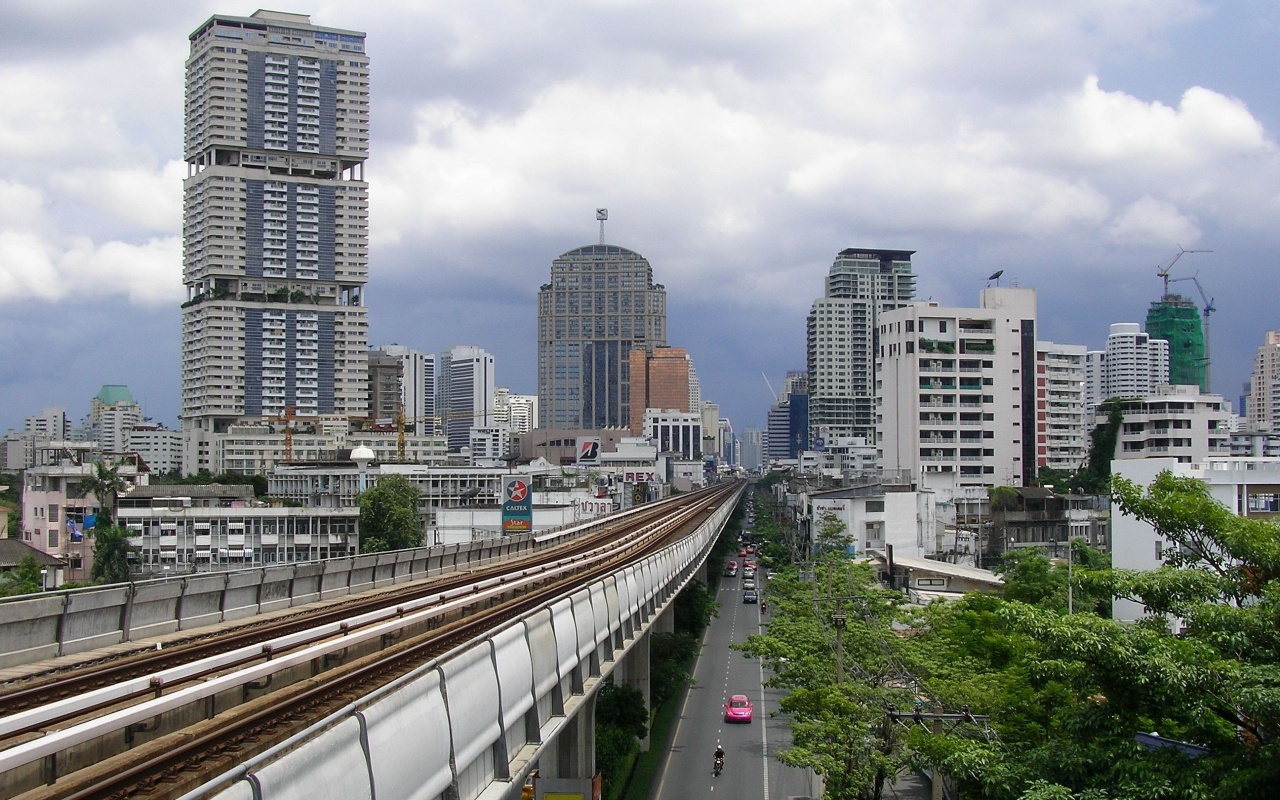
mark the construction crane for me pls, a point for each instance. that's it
(287, 418)
(442, 418)
(1163, 269)
(1208, 309)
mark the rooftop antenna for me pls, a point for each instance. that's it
(602, 214)
(1162, 270)
(995, 276)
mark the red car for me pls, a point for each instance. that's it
(743, 552)
(738, 709)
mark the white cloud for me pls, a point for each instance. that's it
(141, 199)
(1148, 221)
(148, 274)
(27, 268)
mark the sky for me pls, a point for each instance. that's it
(739, 145)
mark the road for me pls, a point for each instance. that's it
(752, 771)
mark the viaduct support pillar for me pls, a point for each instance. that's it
(633, 671)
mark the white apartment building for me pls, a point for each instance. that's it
(675, 431)
(159, 447)
(840, 343)
(517, 411)
(1264, 386)
(258, 449)
(873, 518)
(275, 225)
(112, 414)
(186, 529)
(1133, 364)
(1175, 422)
(466, 393)
(1248, 487)
(489, 446)
(1060, 406)
(417, 387)
(958, 404)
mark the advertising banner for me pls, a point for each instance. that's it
(517, 505)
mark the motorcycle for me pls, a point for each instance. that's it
(717, 766)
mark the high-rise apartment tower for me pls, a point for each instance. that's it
(841, 338)
(275, 215)
(600, 304)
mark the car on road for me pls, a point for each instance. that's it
(731, 568)
(738, 709)
(751, 596)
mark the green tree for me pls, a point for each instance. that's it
(111, 551)
(389, 518)
(105, 484)
(831, 535)
(24, 579)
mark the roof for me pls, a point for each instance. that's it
(12, 551)
(112, 394)
(194, 490)
(944, 568)
(609, 252)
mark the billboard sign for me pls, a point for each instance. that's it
(589, 451)
(517, 505)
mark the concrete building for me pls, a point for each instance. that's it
(659, 379)
(55, 510)
(258, 448)
(1176, 320)
(466, 393)
(1263, 407)
(275, 225)
(51, 423)
(490, 446)
(213, 527)
(112, 414)
(958, 392)
(675, 431)
(877, 515)
(841, 338)
(1060, 406)
(600, 304)
(386, 374)
(417, 388)
(560, 445)
(1133, 364)
(752, 449)
(1174, 422)
(159, 447)
(519, 412)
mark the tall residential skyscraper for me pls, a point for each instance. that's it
(275, 218)
(842, 337)
(466, 393)
(1264, 386)
(600, 304)
(1133, 365)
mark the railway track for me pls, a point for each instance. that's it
(168, 720)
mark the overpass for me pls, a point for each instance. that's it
(473, 723)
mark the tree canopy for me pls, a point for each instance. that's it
(111, 550)
(389, 518)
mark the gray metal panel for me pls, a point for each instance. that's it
(632, 592)
(605, 621)
(584, 621)
(409, 741)
(542, 647)
(471, 691)
(332, 765)
(613, 602)
(515, 673)
(566, 636)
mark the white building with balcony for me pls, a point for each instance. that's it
(1174, 422)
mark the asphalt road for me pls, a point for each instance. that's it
(752, 771)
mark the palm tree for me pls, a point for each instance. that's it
(105, 484)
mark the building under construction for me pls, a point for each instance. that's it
(1176, 319)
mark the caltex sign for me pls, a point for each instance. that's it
(517, 506)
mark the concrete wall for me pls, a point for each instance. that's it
(71, 621)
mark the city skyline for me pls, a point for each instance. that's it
(1075, 148)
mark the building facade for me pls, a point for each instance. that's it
(112, 414)
(466, 393)
(1176, 319)
(1133, 364)
(958, 392)
(841, 338)
(1175, 422)
(675, 432)
(659, 379)
(1060, 406)
(1263, 386)
(601, 304)
(417, 388)
(275, 218)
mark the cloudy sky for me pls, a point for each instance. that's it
(738, 145)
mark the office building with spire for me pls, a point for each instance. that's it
(600, 304)
(275, 218)
(841, 338)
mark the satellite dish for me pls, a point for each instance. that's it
(995, 276)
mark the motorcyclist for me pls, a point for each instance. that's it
(717, 763)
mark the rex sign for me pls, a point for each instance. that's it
(517, 505)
